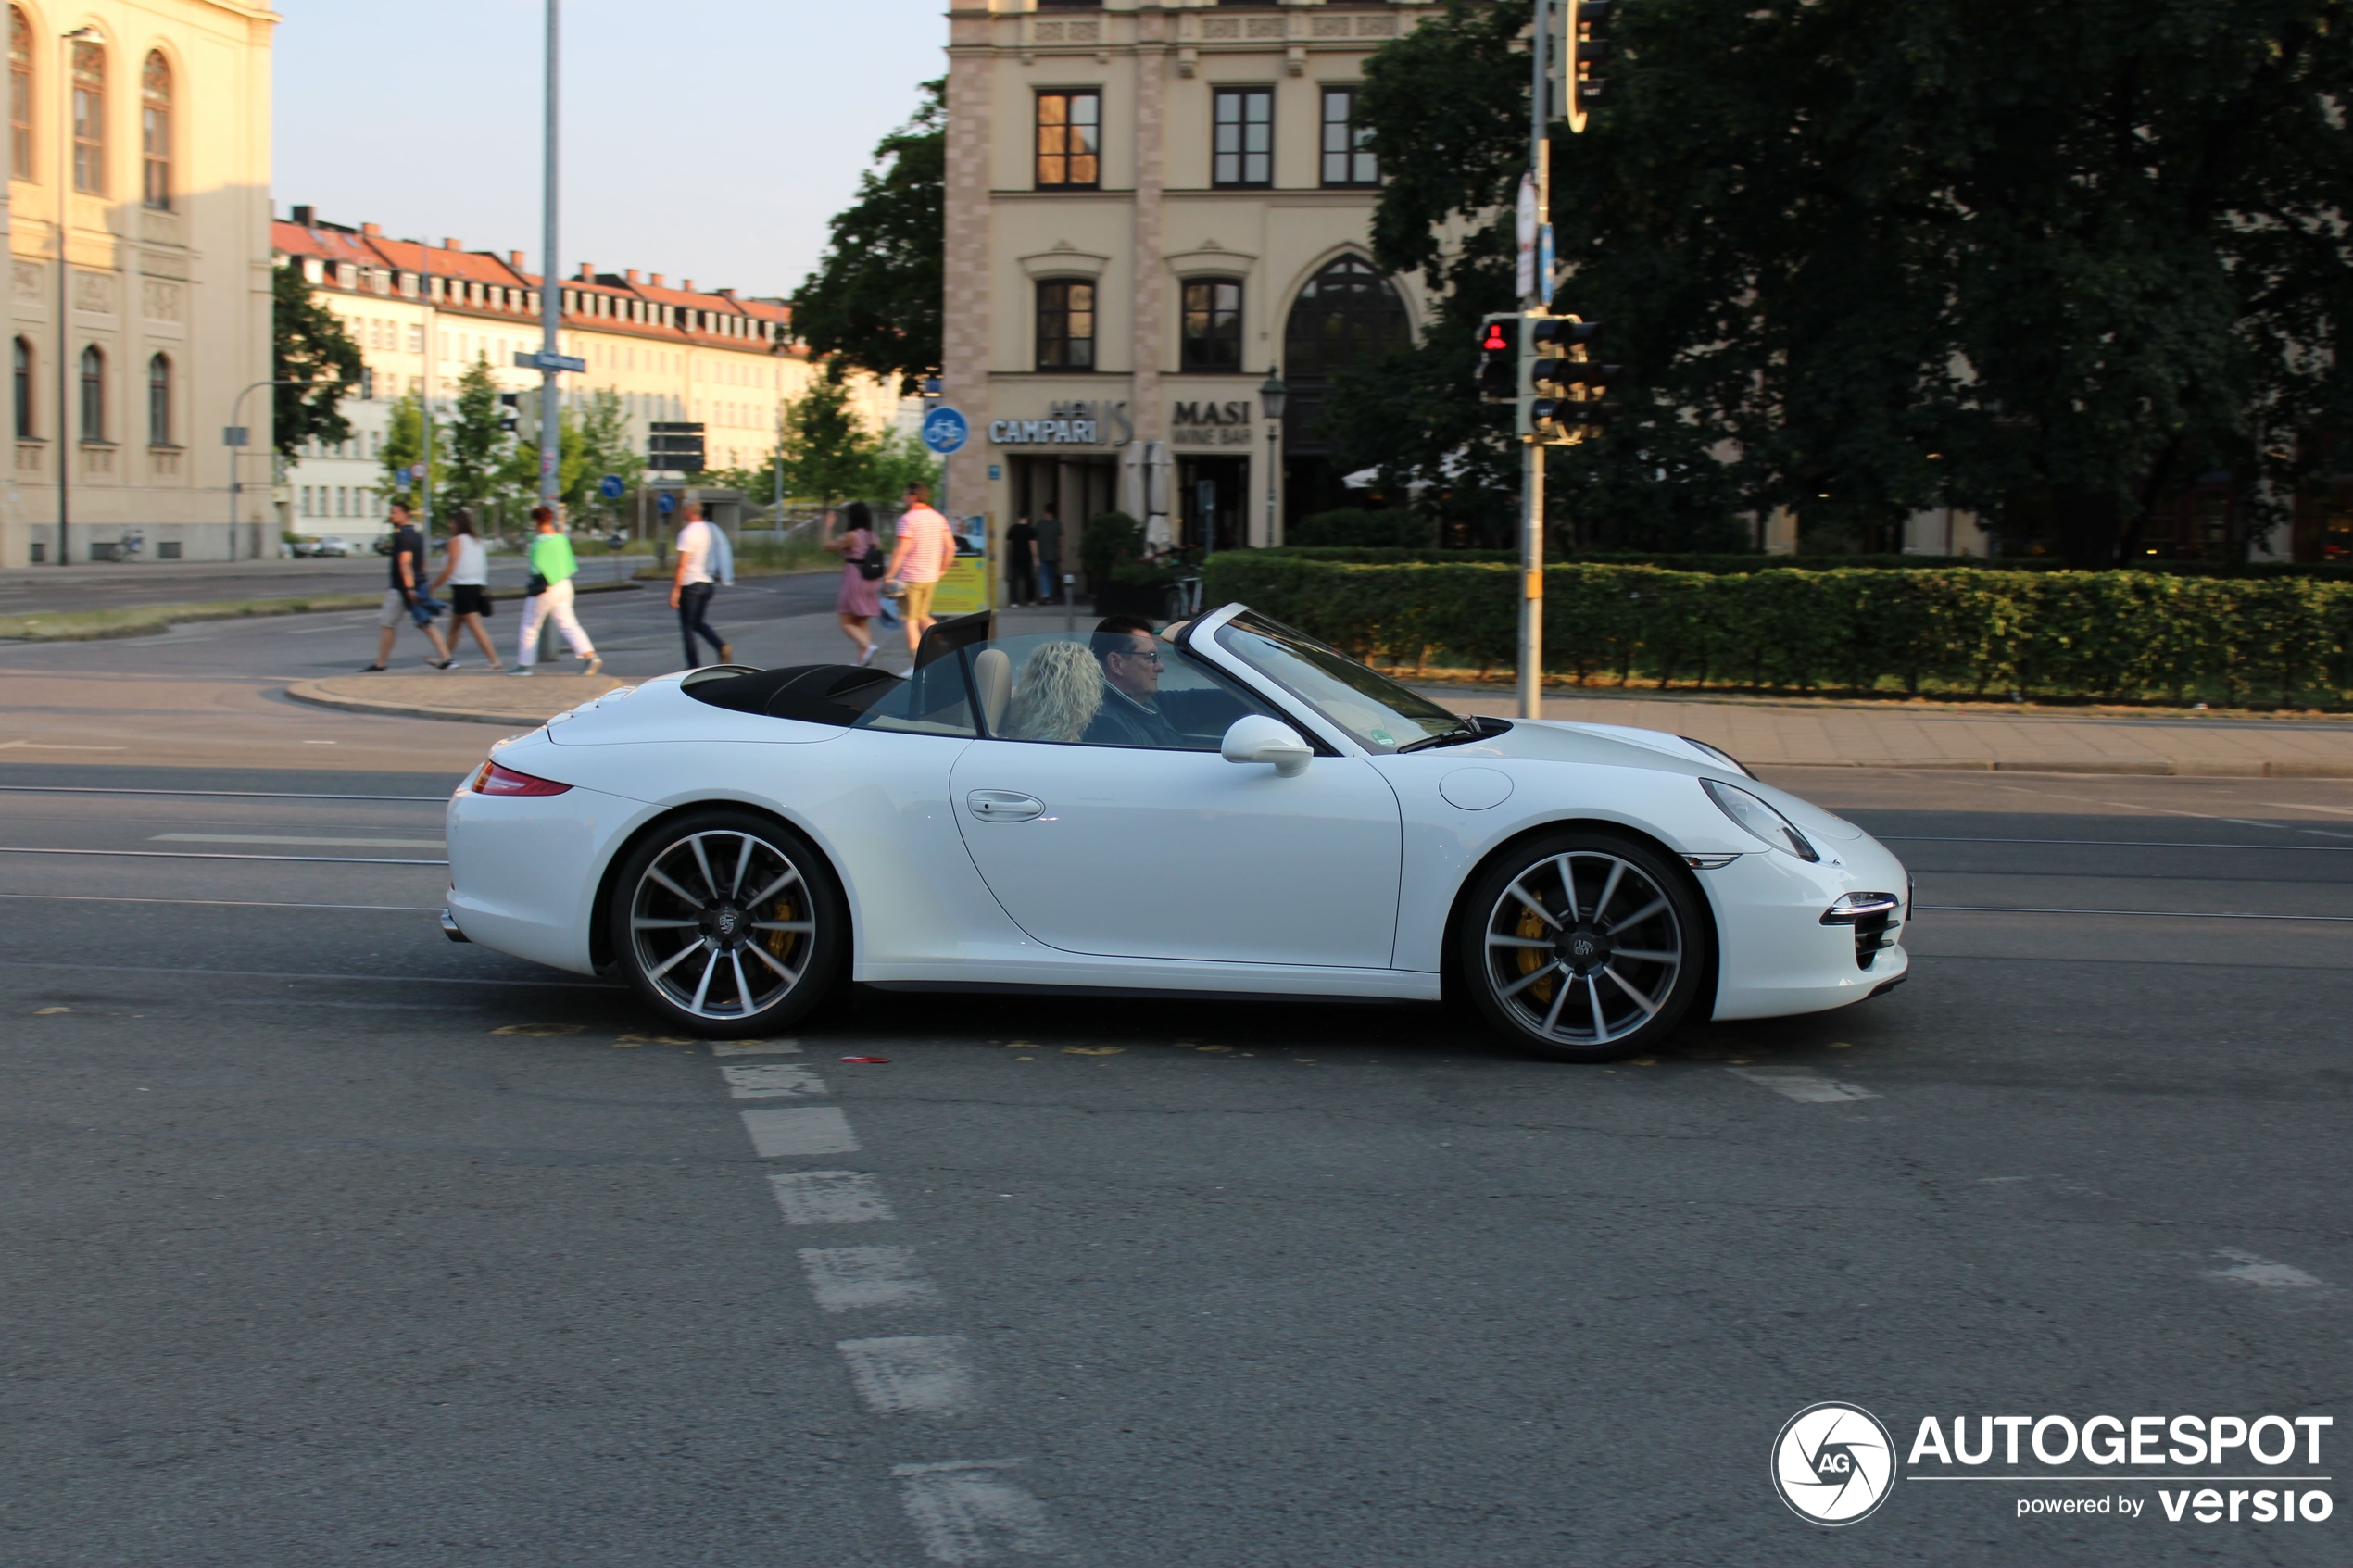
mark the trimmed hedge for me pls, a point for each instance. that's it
(1720, 565)
(2116, 636)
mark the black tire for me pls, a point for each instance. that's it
(1606, 979)
(749, 896)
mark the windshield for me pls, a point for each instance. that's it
(1381, 715)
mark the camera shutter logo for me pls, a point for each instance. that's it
(1833, 1464)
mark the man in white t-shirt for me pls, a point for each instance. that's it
(927, 548)
(698, 549)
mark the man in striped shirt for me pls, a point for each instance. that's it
(927, 548)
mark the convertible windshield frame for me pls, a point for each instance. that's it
(1418, 716)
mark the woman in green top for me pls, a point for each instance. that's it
(551, 573)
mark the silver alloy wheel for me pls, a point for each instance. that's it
(1583, 947)
(723, 924)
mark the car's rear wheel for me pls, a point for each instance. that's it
(728, 922)
(1587, 946)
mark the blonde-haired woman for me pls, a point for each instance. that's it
(1060, 688)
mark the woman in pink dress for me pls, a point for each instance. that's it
(861, 597)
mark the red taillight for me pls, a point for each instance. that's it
(494, 779)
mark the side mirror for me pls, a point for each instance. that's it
(1256, 738)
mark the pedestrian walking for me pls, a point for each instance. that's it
(927, 548)
(408, 599)
(549, 597)
(466, 571)
(861, 571)
(1021, 562)
(1049, 553)
(694, 582)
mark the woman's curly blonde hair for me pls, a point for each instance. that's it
(1061, 689)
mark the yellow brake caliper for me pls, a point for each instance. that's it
(1533, 959)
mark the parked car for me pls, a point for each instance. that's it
(324, 545)
(1263, 817)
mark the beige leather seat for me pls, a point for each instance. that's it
(993, 675)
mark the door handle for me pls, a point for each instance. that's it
(1003, 806)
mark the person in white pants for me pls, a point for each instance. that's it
(551, 560)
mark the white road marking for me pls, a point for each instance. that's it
(756, 1048)
(965, 1510)
(2249, 1269)
(830, 1198)
(1800, 1083)
(772, 1080)
(846, 1278)
(37, 745)
(813, 1129)
(295, 838)
(915, 1374)
(226, 903)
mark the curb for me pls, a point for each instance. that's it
(263, 609)
(310, 694)
(2098, 768)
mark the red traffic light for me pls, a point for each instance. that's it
(1495, 340)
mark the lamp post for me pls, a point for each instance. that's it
(237, 450)
(65, 327)
(1272, 395)
(551, 288)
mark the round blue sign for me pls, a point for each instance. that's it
(610, 487)
(665, 501)
(946, 431)
(400, 477)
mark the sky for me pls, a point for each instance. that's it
(704, 139)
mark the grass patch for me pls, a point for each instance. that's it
(84, 625)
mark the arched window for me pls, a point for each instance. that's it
(89, 118)
(1347, 315)
(94, 394)
(154, 131)
(19, 95)
(159, 400)
(23, 387)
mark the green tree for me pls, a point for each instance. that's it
(309, 346)
(520, 474)
(403, 449)
(897, 461)
(825, 454)
(475, 444)
(605, 449)
(875, 299)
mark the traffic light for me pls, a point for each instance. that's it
(1498, 373)
(1561, 386)
(1587, 38)
(509, 411)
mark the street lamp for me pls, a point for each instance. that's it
(62, 216)
(1272, 395)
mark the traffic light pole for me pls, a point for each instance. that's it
(551, 294)
(1531, 534)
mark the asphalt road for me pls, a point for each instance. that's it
(329, 1241)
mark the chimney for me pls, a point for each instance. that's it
(655, 279)
(588, 272)
(373, 231)
(453, 244)
(724, 294)
(514, 259)
(308, 216)
(687, 284)
(633, 277)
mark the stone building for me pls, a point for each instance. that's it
(1151, 204)
(139, 133)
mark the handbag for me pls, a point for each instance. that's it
(871, 565)
(536, 586)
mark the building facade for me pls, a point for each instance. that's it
(1151, 203)
(422, 314)
(137, 216)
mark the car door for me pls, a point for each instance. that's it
(1173, 852)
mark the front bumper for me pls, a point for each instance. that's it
(1777, 957)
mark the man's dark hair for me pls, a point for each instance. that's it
(1113, 634)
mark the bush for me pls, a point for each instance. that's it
(1108, 539)
(2118, 635)
(1723, 564)
(1359, 528)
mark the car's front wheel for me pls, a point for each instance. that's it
(1589, 946)
(728, 922)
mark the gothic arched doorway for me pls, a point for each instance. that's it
(1347, 315)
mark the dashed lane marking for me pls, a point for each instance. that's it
(965, 1510)
(308, 840)
(783, 1133)
(845, 1279)
(913, 1374)
(830, 1198)
(772, 1080)
(1800, 1083)
(2262, 1273)
(756, 1048)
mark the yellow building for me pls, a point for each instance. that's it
(139, 130)
(422, 314)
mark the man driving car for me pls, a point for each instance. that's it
(1124, 646)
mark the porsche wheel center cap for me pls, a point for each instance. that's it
(725, 923)
(1583, 950)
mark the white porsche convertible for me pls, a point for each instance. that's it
(1229, 807)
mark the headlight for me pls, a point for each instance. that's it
(1759, 820)
(1717, 752)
